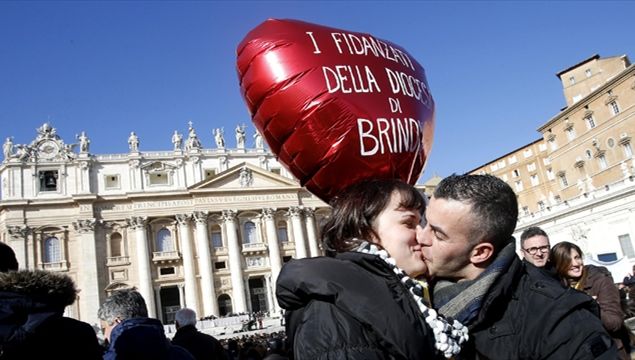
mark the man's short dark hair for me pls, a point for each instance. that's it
(531, 232)
(494, 204)
(8, 262)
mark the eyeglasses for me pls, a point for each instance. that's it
(534, 250)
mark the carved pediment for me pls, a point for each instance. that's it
(244, 176)
(158, 167)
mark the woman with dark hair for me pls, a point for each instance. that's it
(362, 301)
(595, 281)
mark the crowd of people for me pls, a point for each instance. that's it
(404, 277)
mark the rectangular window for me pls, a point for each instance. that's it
(602, 161)
(512, 159)
(209, 173)
(570, 134)
(217, 240)
(286, 259)
(546, 161)
(587, 72)
(626, 245)
(563, 180)
(541, 205)
(493, 167)
(534, 180)
(111, 182)
(527, 153)
(167, 271)
(553, 145)
(615, 109)
(628, 150)
(590, 122)
(501, 164)
(531, 167)
(572, 80)
(542, 147)
(525, 210)
(550, 175)
(519, 185)
(218, 265)
(516, 173)
(159, 179)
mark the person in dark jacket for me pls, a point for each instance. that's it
(131, 334)
(597, 282)
(8, 262)
(275, 349)
(201, 346)
(362, 301)
(32, 325)
(513, 309)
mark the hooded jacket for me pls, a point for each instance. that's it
(31, 321)
(142, 338)
(352, 306)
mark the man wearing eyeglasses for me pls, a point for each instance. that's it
(534, 243)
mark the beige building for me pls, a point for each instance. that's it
(577, 180)
(204, 228)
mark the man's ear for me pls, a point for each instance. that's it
(481, 253)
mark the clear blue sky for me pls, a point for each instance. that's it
(109, 68)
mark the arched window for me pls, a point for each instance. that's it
(217, 237)
(250, 232)
(52, 250)
(224, 304)
(116, 245)
(283, 237)
(164, 241)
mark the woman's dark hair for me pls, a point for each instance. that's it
(561, 258)
(356, 208)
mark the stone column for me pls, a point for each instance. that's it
(191, 298)
(138, 224)
(210, 303)
(88, 277)
(235, 261)
(309, 218)
(298, 233)
(274, 248)
(271, 290)
(157, 294)
(181, 296)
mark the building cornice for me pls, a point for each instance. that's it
(592, 57)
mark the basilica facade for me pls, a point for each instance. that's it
(208, 229)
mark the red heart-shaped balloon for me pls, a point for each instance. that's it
(336, 106)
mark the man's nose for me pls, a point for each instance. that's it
(423, 235)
